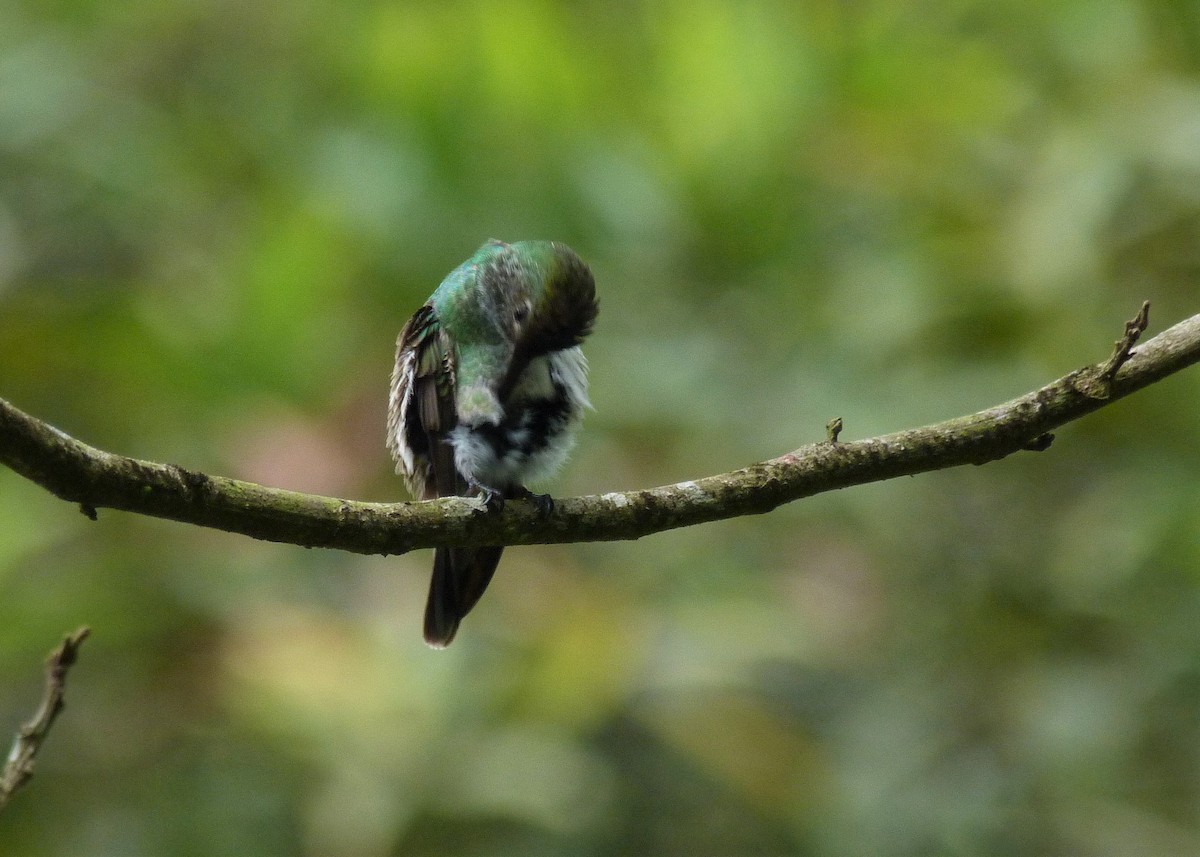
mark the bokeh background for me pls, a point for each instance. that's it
(214, 218)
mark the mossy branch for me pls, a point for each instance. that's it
(96, 479)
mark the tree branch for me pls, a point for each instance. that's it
(96, 479)
(19, 767)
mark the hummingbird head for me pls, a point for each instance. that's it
(537, 296)
(560, 306)
(543, 299)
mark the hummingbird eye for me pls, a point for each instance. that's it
(521, 313)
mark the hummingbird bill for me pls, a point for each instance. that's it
(487, 393)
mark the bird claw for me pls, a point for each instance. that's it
(492, 500)
(544, 503)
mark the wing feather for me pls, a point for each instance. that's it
(421, 407)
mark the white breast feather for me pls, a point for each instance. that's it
(476, 458)
(570, 367)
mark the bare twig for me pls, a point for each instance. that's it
(84, 475)
(1123, 347)
(19, 767)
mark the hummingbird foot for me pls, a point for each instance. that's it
(543, 502)
(491, 498)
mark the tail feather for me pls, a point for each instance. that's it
(460, 575)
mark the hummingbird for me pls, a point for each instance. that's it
(488, 390)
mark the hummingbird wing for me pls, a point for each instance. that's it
(421, 415)
(421, 408)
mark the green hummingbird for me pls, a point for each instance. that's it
(488, 390)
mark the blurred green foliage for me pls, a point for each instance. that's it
(214, 218)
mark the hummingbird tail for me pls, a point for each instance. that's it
(460, 575)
